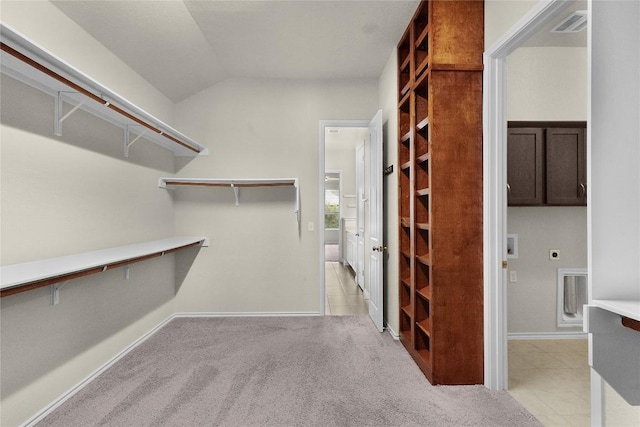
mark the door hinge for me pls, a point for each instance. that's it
(388, 170)
(504, 265)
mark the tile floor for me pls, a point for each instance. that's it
(551, 379)
(344, 297)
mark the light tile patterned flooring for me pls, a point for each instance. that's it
(344, 297)
(551, 379)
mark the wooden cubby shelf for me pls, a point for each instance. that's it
(27, 276)
(424, 259)
(423, 293)
(422, 158)
(440, 190)
(27, 62)
(424, 327)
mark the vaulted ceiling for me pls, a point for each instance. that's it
(183, 47)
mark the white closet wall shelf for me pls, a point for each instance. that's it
(235, 184)
(29, 63)
(27, 276)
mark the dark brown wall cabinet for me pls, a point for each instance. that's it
(440, 194)
(546, 164)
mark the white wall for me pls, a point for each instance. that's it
(614, 250)
(544, 84)
(388, 101)
(69, 194)
(260, 259)
(500, 15)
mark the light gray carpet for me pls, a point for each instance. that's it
(284, 371)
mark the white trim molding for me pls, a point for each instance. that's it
(40, 415)
(547, 336)
(494, 186)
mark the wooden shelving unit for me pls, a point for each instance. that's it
(440, 190)
(17, 278)
(27, 62)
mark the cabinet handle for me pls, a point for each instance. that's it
(508, 188)
(583, 189)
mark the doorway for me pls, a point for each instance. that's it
(366, 258)
(344, 220)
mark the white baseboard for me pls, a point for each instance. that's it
(547, 336)
(39, 416)
(393, 333)
(257, 314)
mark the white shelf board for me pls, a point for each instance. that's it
(173, 183)
(226, 182)
(29, 75)
(627, 308)
(17, 275)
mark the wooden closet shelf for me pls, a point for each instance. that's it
(405, 63)
(407, 310)
(422, 158)
(405, 221)
(406, 165)
(422, 192)
(423, 226)
(420, 37)
(422, 123)
(406, 282)
(424, 293)
(406, 137)
(27, 62)
(424, 259)
(24, 277)
(405, 89)
(424, 327)
(406, 254)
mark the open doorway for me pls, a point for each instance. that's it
(546, 224)
(344, 220)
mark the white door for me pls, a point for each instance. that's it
(360, 216)
(376, 242)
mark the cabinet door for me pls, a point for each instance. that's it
(566, 167)
(525, 166)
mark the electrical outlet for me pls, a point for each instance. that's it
(554, 254)
(310, 226)
(513, 276)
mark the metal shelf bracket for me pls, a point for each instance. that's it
(127, 138)
(59, 118)
(235, 193)
(55, 292)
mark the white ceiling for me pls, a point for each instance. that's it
(183, 47)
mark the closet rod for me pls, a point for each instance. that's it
(87, 93)
(228, 184)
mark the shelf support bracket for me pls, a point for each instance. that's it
(297, 211)
(55, 292)
(127, 139)
(235, 193)
(59, 108)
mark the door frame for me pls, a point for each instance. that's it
(324, 124)
(495, 186)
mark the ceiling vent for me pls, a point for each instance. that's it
(573, 23)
